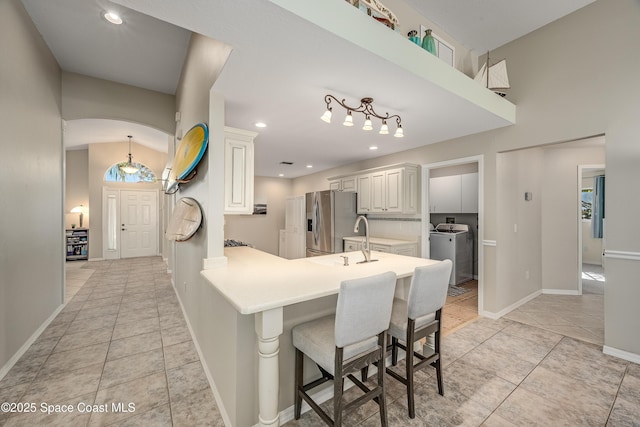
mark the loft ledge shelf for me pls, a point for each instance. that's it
(392, 46)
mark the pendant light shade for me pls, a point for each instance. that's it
(326, 117)
(384, 129)
(348, 120)
(129, 167)
(367, 124)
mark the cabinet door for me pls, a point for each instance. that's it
(410, 185)
(334, 185)
(444, 194)
(469, 192)
(381, 248)
(394, 187)
(348, 184)
(350, 246)
(238, 155)
(406, 250)
(378, 192)
(364, 193)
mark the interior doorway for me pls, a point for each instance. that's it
(130, 226)
(473, 169)
(591, 229)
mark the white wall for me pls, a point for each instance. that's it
(31, 166)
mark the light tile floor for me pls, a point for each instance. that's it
(122, 338)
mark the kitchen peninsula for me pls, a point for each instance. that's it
(278, 294)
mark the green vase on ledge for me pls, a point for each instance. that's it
(429, 43)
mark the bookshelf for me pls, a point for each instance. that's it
(77, 244)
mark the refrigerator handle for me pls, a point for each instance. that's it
(316, 219)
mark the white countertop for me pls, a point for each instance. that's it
(255, 281)
(380, 240)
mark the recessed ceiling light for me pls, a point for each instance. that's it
(309, 166)
(112, 17)
(280, 174)
(373, 147)
(261, 125)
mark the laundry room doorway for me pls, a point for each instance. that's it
(453, 202)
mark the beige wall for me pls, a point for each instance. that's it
(85, 97)
(76, 186)
(519, 222)
(262, 231)
(560, 263)
(563, 93)
(31, 166)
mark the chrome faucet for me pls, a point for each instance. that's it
(366, 249)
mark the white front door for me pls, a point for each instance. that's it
(138, 223)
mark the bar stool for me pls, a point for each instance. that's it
(417, 318)
(343, 344)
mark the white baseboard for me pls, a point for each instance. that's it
(96, 259)
(22, 350)
(560, 292)
(207, 371)
(621, 354)
(507, 310)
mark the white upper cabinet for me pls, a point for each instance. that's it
(469, 193)
(364, 193)
(344, 184)
(384, 190)
(454, 194)
(238, 171)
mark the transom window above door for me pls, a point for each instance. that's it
(116, 174)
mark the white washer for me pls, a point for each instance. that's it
(454, 242)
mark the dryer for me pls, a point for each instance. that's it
(454, 242)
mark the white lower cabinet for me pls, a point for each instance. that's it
(392, 246)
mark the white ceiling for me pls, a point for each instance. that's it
(279, 71)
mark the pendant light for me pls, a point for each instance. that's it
(129, 167)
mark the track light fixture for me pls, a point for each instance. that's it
(365, 108)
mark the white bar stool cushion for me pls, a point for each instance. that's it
(400, 317)
(316, 339)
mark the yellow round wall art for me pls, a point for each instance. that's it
(188, 154)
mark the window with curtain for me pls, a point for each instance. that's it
(598, 207)
(587, 203)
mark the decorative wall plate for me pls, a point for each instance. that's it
(188, 155)
(185, 221)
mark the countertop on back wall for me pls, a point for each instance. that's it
(380, 240)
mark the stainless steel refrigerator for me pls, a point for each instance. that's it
(331, 215)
